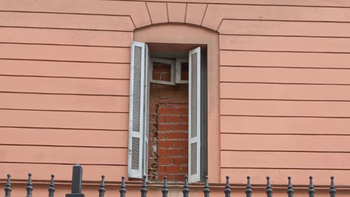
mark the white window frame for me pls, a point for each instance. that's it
(178, 71)
(172, 71)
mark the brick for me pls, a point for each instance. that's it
(161, 169)
(181, 160)
(185, 151)
(182, 93)
(181, 111)
(165, 76)
(183, 143)
(184, 169)
(177, 104)
(165, 144)
(156, 75)
(161, 119)
(173, 169)
(162, 152)
(174, 135)
(176, 100)
(174, 152)
(166, 93)
(179, 177)
(162, 135)
(165, 160)
(166, 110)
(165, 127)
(184, 119)
(172, 119)
(181, 127)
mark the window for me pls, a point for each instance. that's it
(142, 76)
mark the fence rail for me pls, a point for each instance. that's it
(76, 190)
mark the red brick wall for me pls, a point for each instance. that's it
(168, 129)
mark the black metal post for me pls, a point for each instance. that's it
(165, 190)
(268, 187)
(186, 190)
(206, 190)
(29, 186)
(122, 188)
(248, 189)
(290, 190)
(332, 190)
(77, 180)
(102, 189)
(8, 186)
(52, 186)
(144, 187)
(227, 187)
(311, 188)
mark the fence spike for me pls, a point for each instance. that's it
(290, 190)
(29, 187)
(186, 190)
(165, 187)
(122, 188)
(52, 186)
(206, 187)
(102, 189)
(268, 187)
(248, 189)
(311, 188)
(144, 187)
(8, 186)
(332, 190)
(227, 187)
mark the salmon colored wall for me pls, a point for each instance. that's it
(279, 103)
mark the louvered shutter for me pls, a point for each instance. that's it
(194, 115)
(138, 76)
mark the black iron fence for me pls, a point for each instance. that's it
(76, 190)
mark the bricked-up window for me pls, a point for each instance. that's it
(167, 119)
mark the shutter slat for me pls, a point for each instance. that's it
(194, 133)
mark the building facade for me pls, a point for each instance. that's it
(172, 88)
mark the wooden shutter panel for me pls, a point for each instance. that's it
(194, 128)
(137, 110)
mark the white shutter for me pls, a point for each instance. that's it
(146, 109)
(194, 115)
(137, 110)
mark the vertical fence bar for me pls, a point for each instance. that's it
(268, 187)
(248, 189)
(311, 188)
(165, 187)
(122, 190)
(77, 182)
(227, 187)
(290, 190)
(102, 189)
(29, 187)
(144, 187)
(206, 190)
(185, 190)
(332, 190)
(8, 186)
(52, 186)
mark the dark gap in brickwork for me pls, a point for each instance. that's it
(168, 130)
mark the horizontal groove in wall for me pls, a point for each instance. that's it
(284, 83)
(275, 20)
(61, 28)
(69, 13)
(66, 61)
(70, 164)
(65, 111)
(46, 93)
(62, 77)
(62, 146)
(62, 128)
(283, 151)
(270, 116)
(272, 51)
(282, 134)
(261, 168)
(66, 45)
(285, 67)
(216, 2)
(283, 36)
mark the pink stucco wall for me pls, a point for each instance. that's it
(278, 93)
